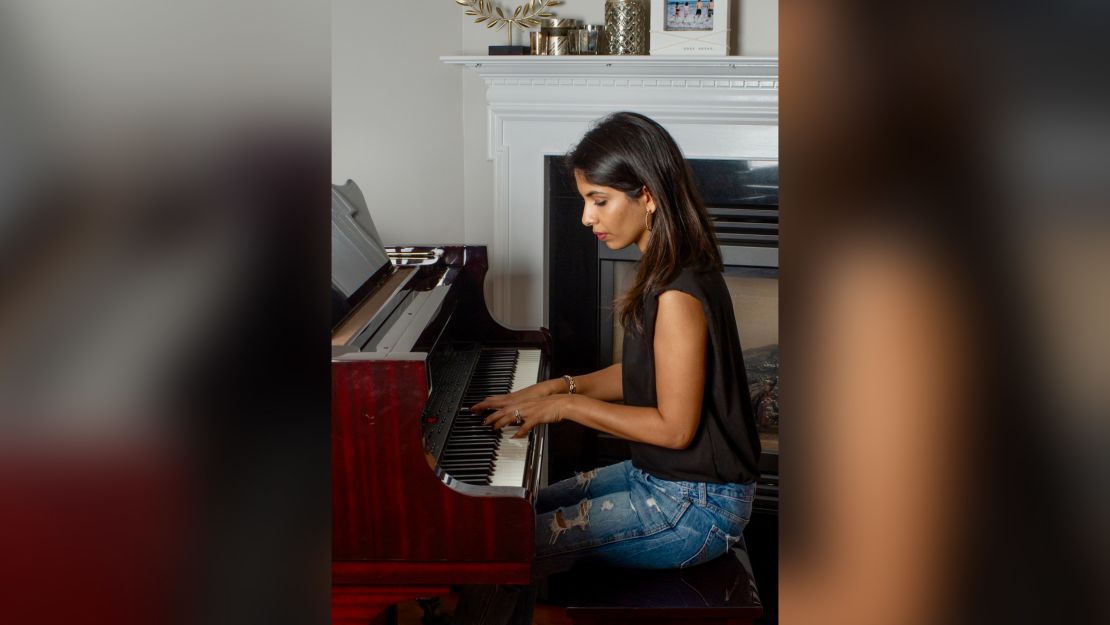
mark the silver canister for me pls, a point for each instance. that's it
(626, 26)
(560, 22)
(558, 44)
(537, 43)
(559, 33)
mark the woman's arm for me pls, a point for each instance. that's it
(605, 385)
(681, 335)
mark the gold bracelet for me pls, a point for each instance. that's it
(570, 384)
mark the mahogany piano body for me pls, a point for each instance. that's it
(400, 528)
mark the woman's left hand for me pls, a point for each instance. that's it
(531, 413)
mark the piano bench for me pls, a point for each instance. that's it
(719, 592)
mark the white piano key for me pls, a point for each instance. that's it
(509, 463)
(527, 369)
(512, 455)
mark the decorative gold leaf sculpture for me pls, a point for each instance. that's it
(524, 16)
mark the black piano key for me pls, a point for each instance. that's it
(472, 452)
(476, 461)
(462, 456)
(475, 435)
(460, 465)
(469, 453)
(465, 471)
(488, 450)
(471, 444)
(486, 446)
(474, 472)
(472, 437)
(472, 440)
(471, 478)
(462, 426)
(486, 466)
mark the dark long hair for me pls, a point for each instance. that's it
(630, 152)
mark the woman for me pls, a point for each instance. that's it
(686, 495)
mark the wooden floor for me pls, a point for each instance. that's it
(409, 613)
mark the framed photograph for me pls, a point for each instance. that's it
(694, 27)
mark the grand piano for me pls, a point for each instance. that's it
(423, 495)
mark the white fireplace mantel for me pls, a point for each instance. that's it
(715, 107)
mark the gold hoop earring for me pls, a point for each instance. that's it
(647, 223)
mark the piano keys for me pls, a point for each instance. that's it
(475, 453)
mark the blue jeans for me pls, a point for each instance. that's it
(618, 516)
(621, 516)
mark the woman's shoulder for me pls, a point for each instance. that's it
(693, 280)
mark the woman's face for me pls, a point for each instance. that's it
(615, 218)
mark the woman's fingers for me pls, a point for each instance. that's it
(524, 429)
(505, 416)
(493, 402)
(499, 419)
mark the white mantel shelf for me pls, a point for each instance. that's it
(537, 106)
(718, 71)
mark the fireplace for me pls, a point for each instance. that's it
(723, 113)
(717, 108)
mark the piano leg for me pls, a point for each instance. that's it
(361, 605)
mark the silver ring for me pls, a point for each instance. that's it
(519, 419)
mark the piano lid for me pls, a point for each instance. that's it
(357, 253)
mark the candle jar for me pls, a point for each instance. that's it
(538, 43)
(587, 39)
(558, 44)
(559, 33)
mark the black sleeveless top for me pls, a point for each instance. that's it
(726, 445)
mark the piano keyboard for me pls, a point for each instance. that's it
(476, 453)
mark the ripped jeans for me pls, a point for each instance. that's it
(619, 516)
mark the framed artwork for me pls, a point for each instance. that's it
(694, 27)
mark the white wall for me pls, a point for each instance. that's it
(758, 29)
(419, 152)
(396, 117)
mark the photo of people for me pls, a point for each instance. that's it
(688, 15)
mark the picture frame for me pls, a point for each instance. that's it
(689, 28)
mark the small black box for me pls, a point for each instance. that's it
(502, 50)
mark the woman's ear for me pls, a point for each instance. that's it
(648, 199)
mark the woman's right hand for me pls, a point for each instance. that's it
(529, 393)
